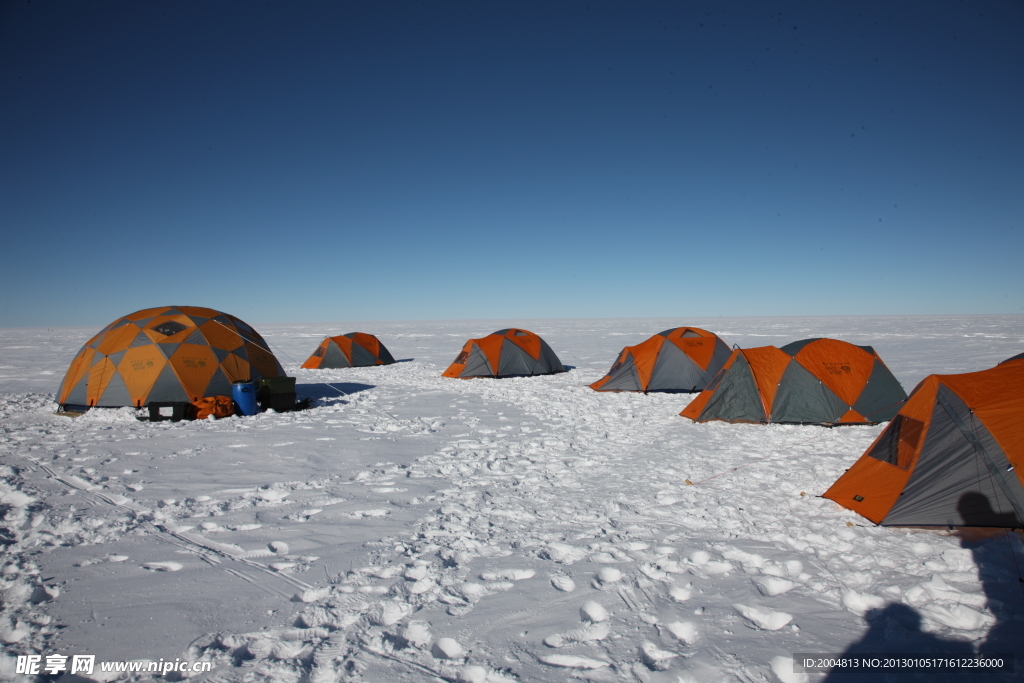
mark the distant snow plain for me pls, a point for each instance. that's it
(411, 527)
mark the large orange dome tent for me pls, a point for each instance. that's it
(505, 353)
(953, 456)
(680, 359)
(355, 349)
(813, 381)
(170, 354)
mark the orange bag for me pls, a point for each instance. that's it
(218, 406)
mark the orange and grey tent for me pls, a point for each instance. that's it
(680, 359)
(352, 350)
(814, 381)
(953, 456)
(505, 353)
(174, 354)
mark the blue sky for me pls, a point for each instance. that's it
(323, 161)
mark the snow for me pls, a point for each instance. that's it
(412, 527)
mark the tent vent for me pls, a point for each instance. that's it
(169, 328)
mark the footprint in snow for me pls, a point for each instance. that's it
(684, 631)
(764, 618)
(605, 578)
(508, 575)
(162, 566)
(571, 662)
(771, 585)
(563, 583)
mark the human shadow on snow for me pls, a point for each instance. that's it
(896, 628)
(989, 538)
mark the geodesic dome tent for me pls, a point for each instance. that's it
(505, 353)
(355, 349)
(680, 359)
(813, 381)
(171, 354)
(953, 456)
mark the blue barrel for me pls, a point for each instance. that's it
(244, 393)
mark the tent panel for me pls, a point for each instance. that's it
(235, 368)
(140, 367)
(262, 362)
(117, 339)
(334, 356)
(699, 349)
(476, 364)
(77, 371)
(116, 393)
(952, 484)
(767, 365)
(77, 396)
(219, 385)
(736, 399)
(550, 363)
(516, 361)
(167, 388)
(221, 335)
(527, 341)
(802, 397)
(361, 356)
(141, 339)
(882, 396)
(383, 354)
(996, 397)
(621, 377)
(194, 364)
(676, 371)
(841, 366)
(869, 488)
(99, 375)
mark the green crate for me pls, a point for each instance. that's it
(274, 386)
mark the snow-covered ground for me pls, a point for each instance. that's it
(410, 527)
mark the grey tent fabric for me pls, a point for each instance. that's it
(515, 361)
(674, 370)
(477, 365)
(167, 388)
(334, 357)
(736, 396)
(361, 357)
(952, 483)
(549, 361)
(623, 376)
(802, 398)
(882, 390)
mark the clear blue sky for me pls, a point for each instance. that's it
(319, 161)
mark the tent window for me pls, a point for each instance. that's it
(169, 328)
(319, 353)
(520, 333)
(461, 360)
(899, 442)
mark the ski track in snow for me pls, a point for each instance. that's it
(411, 526)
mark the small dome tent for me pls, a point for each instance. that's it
(352, 350)
(174, 354)
(680, 359)
(814, 381)
(953, 456)
(505, 353)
